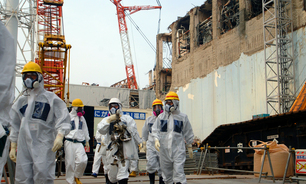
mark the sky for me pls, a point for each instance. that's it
(91, 27)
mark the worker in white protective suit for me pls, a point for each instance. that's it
(100, 154)
(75, 155)
(40, 120)
(148, 143)
(118, 172)
(170, 131)
(7, 75)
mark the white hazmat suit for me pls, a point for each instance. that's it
(75, 155)
(37, 117)
(120, 172)
(151, 153)
(172, 129)
(100, 153)
(7, 76)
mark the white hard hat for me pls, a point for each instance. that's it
(114, 100)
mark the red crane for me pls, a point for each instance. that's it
(129, 66)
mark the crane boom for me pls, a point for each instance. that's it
(123, 31)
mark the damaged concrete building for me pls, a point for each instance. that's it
(219, 60)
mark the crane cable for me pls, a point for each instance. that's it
(142, 34)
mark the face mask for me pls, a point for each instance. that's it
(169, 108)
(30, 83)
(157, 112)
(113, 110)
(81, 113)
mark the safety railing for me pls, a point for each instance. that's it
(295, 177)
(206, 149)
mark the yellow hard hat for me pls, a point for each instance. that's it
(172, 96)
(157, 102)
(31, 67)
(77, 103)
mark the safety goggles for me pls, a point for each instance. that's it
(155, 107)
(31, 75)
(169, 102)
(115, 105)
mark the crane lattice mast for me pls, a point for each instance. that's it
(129, 66)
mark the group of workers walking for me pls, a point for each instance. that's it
(37, 123)
(164, 135)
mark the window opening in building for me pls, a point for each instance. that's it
(229, 16)
(204, 28)
(183, 36)
(253, 8)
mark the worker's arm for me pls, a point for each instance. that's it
(62, 117)
(145, 131)
(85, 129)
(103, 126)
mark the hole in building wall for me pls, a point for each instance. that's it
(253, 8)
(183, 36)
(229, 15)
(204, 28)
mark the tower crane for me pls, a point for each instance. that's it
(53, 50)
(129, 66)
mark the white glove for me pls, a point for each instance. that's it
(144, 147)
(157, 145)
(13, 151)
(189, 147)
(87, 145)
(58, 142)
(112, 118)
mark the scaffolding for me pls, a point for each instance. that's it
(278, 53)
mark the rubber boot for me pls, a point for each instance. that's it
(77, 181)
(133, 174)
(161, 181)
(124, 181)
(152, 178)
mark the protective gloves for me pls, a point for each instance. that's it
(157, 145)
(13, 151)
(112, 118)
(87, 145)
(58, 142)
(144, 147)
(189, 147)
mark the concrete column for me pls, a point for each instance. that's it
(192, 30)
(159, 64)
(242, 18)
(215, 19)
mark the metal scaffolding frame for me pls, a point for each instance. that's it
(279, 57)
(19, 18)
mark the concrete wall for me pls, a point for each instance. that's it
(223, 81)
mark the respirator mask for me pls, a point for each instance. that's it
(31, 80)
(114, 108)
(169, 107)
(157, 109)
(80, 111)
